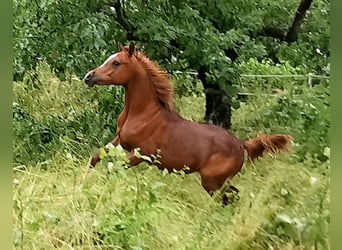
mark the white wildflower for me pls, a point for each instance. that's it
(313, 180)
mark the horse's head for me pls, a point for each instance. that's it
(117, 69)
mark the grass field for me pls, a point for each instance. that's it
(59, 203)
(280, 207)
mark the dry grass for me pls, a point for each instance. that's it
(67, 206)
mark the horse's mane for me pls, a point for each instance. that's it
(160, 79)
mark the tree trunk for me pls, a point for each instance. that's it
(218, 110)
(293, 33)
(217, 103)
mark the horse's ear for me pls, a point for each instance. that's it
(120, 47)
(131, 49)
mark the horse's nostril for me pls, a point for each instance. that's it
(88, 76)
(89, 79)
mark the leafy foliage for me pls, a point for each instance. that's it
(292, 107)
(179, 35)
(312, 51)
(70, 41)
(51, 116)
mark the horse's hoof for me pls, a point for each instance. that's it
(234, 189)
(225, 200)
(93, 162)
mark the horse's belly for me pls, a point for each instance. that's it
(179, 154)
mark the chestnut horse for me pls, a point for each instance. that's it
(149, 122)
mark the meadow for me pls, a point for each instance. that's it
(59, 203)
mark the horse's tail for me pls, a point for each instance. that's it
(267, 143)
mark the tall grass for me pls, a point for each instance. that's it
(50, 116)
(60, 203)
(65, 205)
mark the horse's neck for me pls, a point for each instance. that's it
(140, 98)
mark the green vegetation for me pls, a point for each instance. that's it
(291, 107)
(50, 115)
(211, 38)
(59, 123)
(59, 202)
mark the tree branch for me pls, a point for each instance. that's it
(291, 35)
(123, 21)
(293, 32)
(274, 32)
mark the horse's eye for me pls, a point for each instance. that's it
(116, 63)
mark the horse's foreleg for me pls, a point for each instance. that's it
(133, 160)
(121, 119)
(96, 157)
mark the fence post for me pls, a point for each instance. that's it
(310, 80)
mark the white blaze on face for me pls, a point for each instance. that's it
(108, 59)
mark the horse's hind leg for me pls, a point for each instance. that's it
(218, 169)
(229, 193)
(211, 185)
(234, 189)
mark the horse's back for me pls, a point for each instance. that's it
(202, 132)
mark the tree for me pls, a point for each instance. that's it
(209, 37)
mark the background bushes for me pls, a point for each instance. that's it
(52, 116)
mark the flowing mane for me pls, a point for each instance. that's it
(160, 79)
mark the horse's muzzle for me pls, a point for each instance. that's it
(89, 79)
